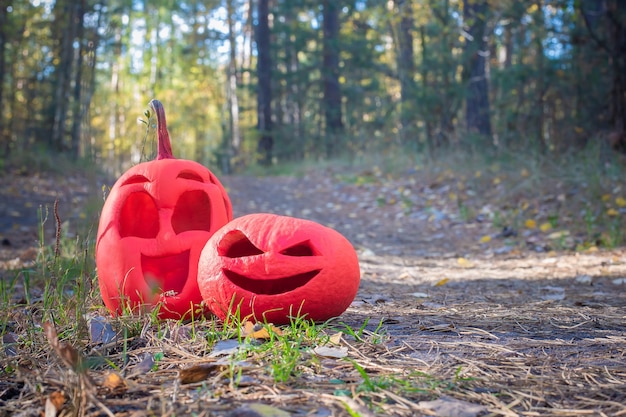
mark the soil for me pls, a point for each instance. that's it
(534, 331)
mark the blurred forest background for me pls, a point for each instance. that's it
(268, 81)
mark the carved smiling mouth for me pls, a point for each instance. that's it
(270, 286)
(166, 274)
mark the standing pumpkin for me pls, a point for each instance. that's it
(273, 267)
(154, 224)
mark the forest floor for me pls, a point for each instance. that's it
(481, 294)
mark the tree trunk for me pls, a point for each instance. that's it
(77, 113)
(428, 122)
(444, 75)
(4, 138)
(232, 148)
(93, 41)
(114, 87)
(508, 46)
(65, 12)
(330, 76)
(405, 59)
(477, 100)
(617, 42)
(540, 92)
(264, 94)
(609, 16)
(294, 93)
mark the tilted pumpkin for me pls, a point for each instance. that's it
(154, 224)
(271, 268)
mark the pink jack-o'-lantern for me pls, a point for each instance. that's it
(154, 224)
(273, 267)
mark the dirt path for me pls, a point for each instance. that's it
(545, 331)
(394, 218)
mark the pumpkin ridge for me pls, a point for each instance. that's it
(270, 286)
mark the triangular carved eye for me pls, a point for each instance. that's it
(237, 245)
(301, 249)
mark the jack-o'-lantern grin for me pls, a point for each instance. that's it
(272, 286)
(166, 275)
(265, 266)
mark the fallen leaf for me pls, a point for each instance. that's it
(606, 197)
(51, 334)
(70, 355)
(101, 331)
(114, 382)
(545, 227)
(65, 351)
(331, 352)
(142, 367)
(335, 339)
(464, 263)
(225, 348)
(58, 399)
(485, 239)
(612, 212)
(620, 201)
(530, 224)
(54, 403)
(450, 407)
(558, 235)
(196, 373)
(420, 294)
(259, 331)
(441, 282)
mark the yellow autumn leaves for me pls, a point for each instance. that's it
(532, 224)
(620, 202)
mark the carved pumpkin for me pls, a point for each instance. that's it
(272, 267)
(154, 224)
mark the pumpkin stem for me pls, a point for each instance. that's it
(163, 136)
